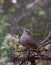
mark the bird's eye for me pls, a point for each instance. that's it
(27, 30)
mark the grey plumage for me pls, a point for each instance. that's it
(27, 41)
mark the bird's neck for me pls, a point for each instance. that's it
(26, 33)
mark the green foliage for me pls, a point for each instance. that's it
(3, 24)
(11, 10)
(41, 13)
(2, 1)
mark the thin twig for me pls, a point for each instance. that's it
(42, 45)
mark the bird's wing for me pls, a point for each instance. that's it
(31, 42)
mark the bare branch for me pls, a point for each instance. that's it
(44, 44)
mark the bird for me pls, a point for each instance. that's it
(27, 41)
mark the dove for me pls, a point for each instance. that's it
(27, 41)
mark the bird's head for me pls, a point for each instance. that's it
(27, 31)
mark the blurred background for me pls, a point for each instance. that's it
(15, 15)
